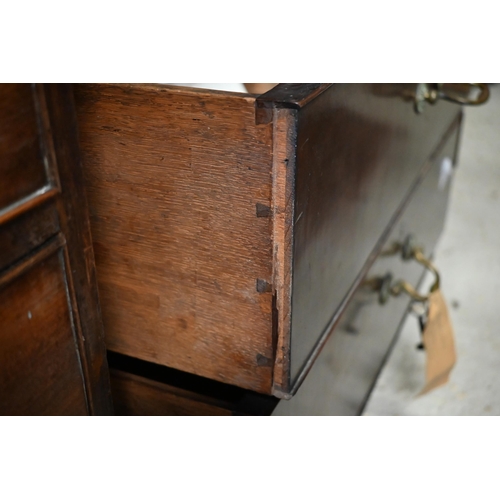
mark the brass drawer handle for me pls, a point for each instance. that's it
(431, 92)
(385, 285)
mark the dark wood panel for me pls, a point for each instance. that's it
(178, 181)
(342, 377)
(22, 169)
(79, 255)
(38, 133)
(23, 234)
(360, 149)
(291, 95)
(135, 395)
(40, 369)
(172, 391)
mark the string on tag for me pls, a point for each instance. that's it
(432, 313)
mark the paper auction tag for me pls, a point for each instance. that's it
(439, 344)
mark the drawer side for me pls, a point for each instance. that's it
(179, 188)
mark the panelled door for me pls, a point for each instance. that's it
(52, 353)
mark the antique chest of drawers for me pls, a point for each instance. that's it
(234, 235)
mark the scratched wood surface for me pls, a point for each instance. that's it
(179, 188)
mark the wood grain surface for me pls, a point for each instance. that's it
(136, 395)
(291, 95)
(284, 153)
(229, 232)
(345, 371)
(22, 169)
(79, 254)
(53, 358)
(178, 181)
(360, 150)
(21, 235)
(40, 372)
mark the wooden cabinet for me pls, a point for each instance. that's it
(52, 353)
(233, 237)
(231, 230)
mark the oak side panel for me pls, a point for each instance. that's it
(40, 368)
(179, 187)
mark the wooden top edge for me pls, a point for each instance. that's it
(171, 88)
(291, 95)
(284, 95)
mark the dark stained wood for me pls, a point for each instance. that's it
(359, 152)
(173, 178)
(23, 234)
(229, 239)
(27, 204)
(51, 339)
(291, 95)
(40, 372)
(73, 214)
(343, 375)
(230, 233)
(352, 357)
(40, 254)
(136, 395)
(22, 169)
(173, 387)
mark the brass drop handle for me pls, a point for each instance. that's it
(404, 286)
(432, 92)
(385, 284)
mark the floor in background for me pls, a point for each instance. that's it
(468, 257)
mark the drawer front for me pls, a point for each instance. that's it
(359, 150)
(143, 388)
(341, 378)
